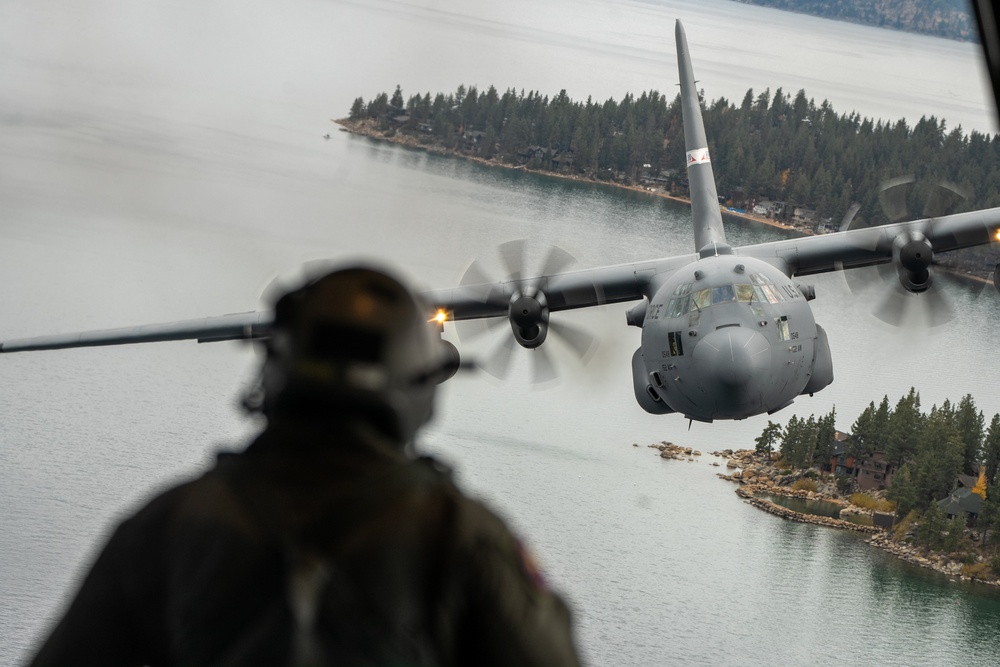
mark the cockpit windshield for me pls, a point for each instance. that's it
(760, 289)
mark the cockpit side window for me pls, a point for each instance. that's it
(773, 296)
(782, 323)
(678, 306)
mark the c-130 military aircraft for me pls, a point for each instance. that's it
(727, 333)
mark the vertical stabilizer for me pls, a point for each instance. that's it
(709, 236)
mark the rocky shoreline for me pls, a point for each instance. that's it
(755, 475)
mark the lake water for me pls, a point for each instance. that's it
(160, 162)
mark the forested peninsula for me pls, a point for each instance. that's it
(779, 156)
(935, 476)
(924, 484)
(951, 19)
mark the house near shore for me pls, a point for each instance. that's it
(769, 209)
(962, 501)
(563, 160)
(472, 139)
(875, 472)
(529, 153)
(737, 199)
(840, 462)
(805, 217)
(869, 474)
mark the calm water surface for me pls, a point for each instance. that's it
(140, 187)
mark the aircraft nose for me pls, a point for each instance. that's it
(734, 357)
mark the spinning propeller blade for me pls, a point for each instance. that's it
(913, 291)
(528, 321)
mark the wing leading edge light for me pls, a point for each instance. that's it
(727, 333)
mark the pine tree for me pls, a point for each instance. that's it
(357, 109)
(904, 428)
(930, 533)
(397, 98)
(826, 432)
(903, 491)
(790, 440)
(377, 107)
(991, 450)
(969, 422)
(989, 517)
(765, 441)
(940, 456)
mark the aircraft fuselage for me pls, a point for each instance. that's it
(728, 337)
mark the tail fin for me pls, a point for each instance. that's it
(709, 236)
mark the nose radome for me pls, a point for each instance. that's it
(733, 356)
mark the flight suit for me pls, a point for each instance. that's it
(311, 549)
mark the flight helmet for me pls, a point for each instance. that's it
(357, 343)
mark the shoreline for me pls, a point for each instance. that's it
(364, 130)
(756, 476)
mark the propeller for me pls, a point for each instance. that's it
(528, 323)
(911, 290)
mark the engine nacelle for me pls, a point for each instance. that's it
(452, 361)
(529, 319)
(912, 255)
(530, 337)
(645, 395)
(636, 315)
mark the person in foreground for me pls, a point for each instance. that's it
(327, 541)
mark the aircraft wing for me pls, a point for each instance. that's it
(563, 291)
(874, 245)
(575, 289)
(236, 326)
